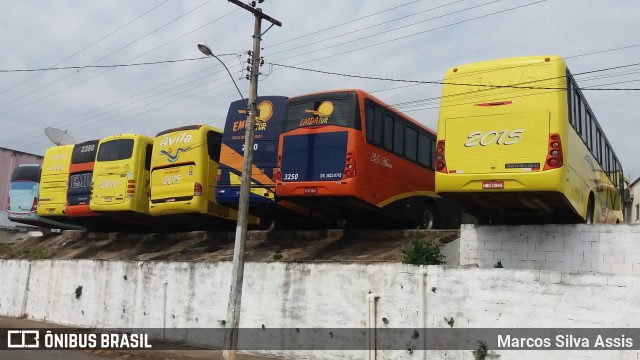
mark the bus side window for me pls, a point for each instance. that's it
(214, 142)
(424, 151)
(576, 111)
(369, 122)
(398, 137)
(388, 132)
(570, 102)
(147, 156)
(377, 127)
(411, 145)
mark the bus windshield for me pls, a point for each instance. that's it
(119, 149)
(338, 108)
(85, 152)
(26, 173)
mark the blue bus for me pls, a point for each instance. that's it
(263, 200)
(23, 199)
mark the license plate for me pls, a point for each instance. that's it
(107, 199)
(310, 190)
(50, 211)
(487, 185)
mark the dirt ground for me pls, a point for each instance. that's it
(299, 246)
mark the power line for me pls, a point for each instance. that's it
(113, 52)
(105, 66)
(406, 36)
(380, 24)
(462, 84)
(317, 59)
(88, 46)
(342, 24)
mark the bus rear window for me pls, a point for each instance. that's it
(26, 173)
(84, 152)
(113, 150)
(325, 109)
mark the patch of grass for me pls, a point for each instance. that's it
(23, 251)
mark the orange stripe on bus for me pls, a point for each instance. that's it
(234, 160)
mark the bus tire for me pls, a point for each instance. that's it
(428, 219)
(590, 210)
(269, 224)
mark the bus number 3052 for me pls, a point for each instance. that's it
(493, 136)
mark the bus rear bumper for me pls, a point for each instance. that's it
(80, 211)
(549, 180)
(506, 196)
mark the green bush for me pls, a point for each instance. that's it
(423, 251)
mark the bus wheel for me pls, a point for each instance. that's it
(269, 224)
(590, 210)
(428, 217)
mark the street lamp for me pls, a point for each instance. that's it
(207, 51)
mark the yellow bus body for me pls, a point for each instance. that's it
(53, 181)
(121, 174)
(184, 167)
(499, 122)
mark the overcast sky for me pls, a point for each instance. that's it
(400, 39)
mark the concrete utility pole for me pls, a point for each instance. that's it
(237, 272)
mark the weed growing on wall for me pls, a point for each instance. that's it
(19, 251)
(423, 251)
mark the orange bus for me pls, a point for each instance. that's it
(354, 158)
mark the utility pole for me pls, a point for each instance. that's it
(237, 271)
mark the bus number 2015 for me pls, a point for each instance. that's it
(169, 180)
(503, 137)
(289, 177)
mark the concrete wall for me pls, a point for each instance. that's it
(9, 160)
(289, 295)
(611, 249)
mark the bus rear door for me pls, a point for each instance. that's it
(53, 181)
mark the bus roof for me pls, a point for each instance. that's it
(472, 68)
(127, 136)
(273, 107)
(361, 93)
(189, 127)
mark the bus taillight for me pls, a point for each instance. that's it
(131, 187)
(197, 189)
(350, 166)
(34, 207)
(554, 155)
(441, 163)
(277, 174)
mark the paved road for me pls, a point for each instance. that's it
(186, 353)
(48, 355)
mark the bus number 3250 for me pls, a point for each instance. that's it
(493, 136)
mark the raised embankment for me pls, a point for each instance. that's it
(381, 296)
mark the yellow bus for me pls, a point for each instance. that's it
(518, 143)
(184, 169)
(120, 184)
(53, 182)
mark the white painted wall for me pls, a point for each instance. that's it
(613, 249)
(321, 295)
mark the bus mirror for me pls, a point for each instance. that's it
(628, 196)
